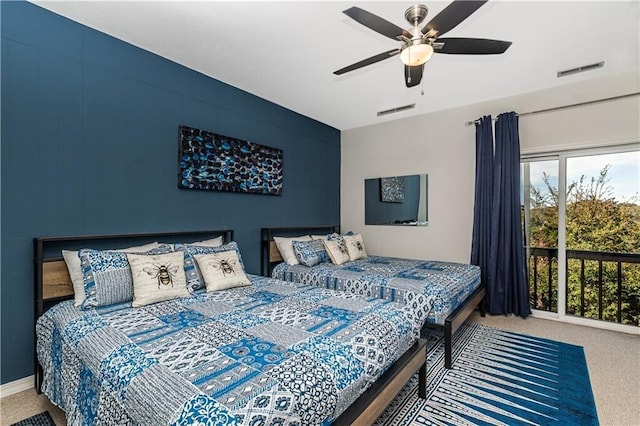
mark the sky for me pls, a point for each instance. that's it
(623, 176)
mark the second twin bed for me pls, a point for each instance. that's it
(441, 294)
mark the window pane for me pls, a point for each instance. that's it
(603, 237)
(540, 220)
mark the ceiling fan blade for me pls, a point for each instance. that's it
(376, 23)
(413, 75)
(470, 46)
(451, 16)
(372, 60)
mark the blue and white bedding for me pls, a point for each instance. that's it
(432, 289)
(271, 353)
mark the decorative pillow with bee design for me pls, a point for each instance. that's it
(355, 247)
(194, 275)
(337, 251)
(222, 270)
(107, 276)
(157, 278)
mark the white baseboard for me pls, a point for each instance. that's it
(587, 322)
(17, 386)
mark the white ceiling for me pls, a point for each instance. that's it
(286, 52)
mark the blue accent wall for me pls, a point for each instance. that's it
(89, 146)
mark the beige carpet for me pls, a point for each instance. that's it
(25, 404)
(613, 359)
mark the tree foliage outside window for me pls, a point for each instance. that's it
(595, 221)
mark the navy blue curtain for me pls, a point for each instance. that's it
(504, 265)
(481, 241)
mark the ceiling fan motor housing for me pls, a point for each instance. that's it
(416, 14)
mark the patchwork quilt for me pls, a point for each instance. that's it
(432, 289)
(272, 353)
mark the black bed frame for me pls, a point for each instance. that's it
(451, 324)
(47, 253)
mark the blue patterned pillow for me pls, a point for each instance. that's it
(107, 276)
(194, 276)
(338, 237)
(310, 253)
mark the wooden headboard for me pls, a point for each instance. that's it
(270, 255)
(51, 276)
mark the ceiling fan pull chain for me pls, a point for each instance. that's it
(409, 73)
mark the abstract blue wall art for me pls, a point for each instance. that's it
(216, 162)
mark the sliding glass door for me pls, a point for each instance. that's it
(581, 220)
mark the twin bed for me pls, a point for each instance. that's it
(266, 352)
(441, 294)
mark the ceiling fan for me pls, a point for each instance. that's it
(419, 44)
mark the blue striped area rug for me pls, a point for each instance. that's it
(41, 419)
(498, 378)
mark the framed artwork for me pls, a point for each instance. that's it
(214, 162)
(392, 189)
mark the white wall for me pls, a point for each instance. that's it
(440, 145)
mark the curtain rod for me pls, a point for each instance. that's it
(469, 123)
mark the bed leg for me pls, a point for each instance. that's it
(38, 378)
(447, 345)
(422, 381)
(483, 307)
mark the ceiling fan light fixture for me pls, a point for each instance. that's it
(416, 53)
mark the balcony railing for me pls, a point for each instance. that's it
(595, 283)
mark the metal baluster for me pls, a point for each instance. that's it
(619, 318)
(599, 289)
(566, 287)
(535, 279)
(582, 287)
(550, 260)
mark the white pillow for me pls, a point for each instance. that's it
(221, 270)
(355, 247)
(285, 246)
(337, 251)
(213, 242)
(320, 237)
(157, 277)
(75, 271)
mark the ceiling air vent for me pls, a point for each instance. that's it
(396, 109)
(581, 69)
